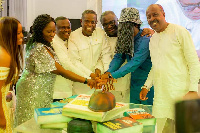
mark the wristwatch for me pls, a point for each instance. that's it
(85, 81)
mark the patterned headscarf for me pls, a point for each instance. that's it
(125, 40)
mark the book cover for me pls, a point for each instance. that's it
(63, 102)
(140, 115)
(79, 108)
(50, 115)
(120, 125)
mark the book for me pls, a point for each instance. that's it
(63, 102)
(54, 126)
(50, 115)
(120, 125)
(79, 108)
(140, 115)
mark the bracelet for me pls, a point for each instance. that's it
(144, 86)
(85, 81)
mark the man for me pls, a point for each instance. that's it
(88, 49)
(175, 68)
(122, 87)
(131, 42)
(63, 87)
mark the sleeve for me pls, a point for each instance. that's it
(43, 62)
(4, 71)
(149, 81)
(191, 58)
(106, 53)
(140, 55)
(116, 62)
(75, 57)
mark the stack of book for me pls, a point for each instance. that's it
(78, 108)
(143, 117)
(51, 118)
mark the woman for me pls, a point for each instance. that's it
(11, 38)
(35, 87)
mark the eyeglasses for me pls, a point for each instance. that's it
(92, 22)
(189, 7)
(109, 23)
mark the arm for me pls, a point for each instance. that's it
(192, 62)
(4, 62)
(116, 62)
(139, 57)
(191, 58)
(106, 53)
(70, 75)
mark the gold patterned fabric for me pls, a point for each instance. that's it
(4, 90)
(35, 87)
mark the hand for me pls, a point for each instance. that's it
(91, 83)
(191, 95)
(98, 72)
(143, 94)
(8, 97)
(147, 31)
(105, 75)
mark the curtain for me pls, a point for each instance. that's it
(18, 9)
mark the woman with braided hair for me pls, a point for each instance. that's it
(35, 87)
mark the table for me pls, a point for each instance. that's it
(30, 126)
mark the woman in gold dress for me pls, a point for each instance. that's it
(11, 38)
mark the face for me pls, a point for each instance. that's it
(19, 34)
(49, 31)
(110, 25)
(156, 18)
(63, 29)
(191, 8)
(88, 24)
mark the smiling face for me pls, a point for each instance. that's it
(19, 34)
(63, 29)
(110, 25)
(88, 23)
(49, 31)
(156, 18)
(191, 8)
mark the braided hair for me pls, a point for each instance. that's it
(125, 38)
(39, 24)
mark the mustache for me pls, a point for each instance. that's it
(154, 21)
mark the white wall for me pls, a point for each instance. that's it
(69, 8)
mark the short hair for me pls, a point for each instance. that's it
(106, 13)
(8, 40)
(60, 18)
(88, 12)
(39, 24)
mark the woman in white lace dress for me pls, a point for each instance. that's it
(11, 38)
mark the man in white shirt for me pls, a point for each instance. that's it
(175, 68)
(88, 49)
(62, 86)
(122, 87)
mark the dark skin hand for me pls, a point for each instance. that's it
(148, 32)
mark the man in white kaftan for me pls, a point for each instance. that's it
(110, 25)
(88, 49)
(175, 68)
(63, 87)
